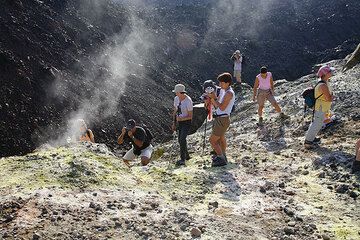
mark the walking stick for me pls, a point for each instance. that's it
(204, 141)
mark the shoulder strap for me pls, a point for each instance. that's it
(321, 81)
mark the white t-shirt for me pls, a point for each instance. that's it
(186, 106)
(237, 64)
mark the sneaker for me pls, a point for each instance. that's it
(218, 162)
(180, 163)
(317, 140)
(355, 167)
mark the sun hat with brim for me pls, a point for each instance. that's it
(325, 70)
(179, 88)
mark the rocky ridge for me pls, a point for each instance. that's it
(272, 188)
(105, 59)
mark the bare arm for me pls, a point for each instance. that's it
(256, 85)
(326, 93)
(272, 85)
(228, 96)
(120, 139)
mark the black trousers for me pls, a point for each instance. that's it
(183, 130)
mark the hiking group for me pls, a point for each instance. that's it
(219, 102)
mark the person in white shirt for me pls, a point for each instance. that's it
(237, 59)
(182, 116)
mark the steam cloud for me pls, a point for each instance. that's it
(116, 62)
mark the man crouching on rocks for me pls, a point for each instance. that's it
(141, 143)
(223, 107)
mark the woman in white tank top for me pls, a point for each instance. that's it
(221, 122)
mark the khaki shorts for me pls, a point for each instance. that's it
(237, 74)
(144, 153)
(262, 95)
(220, 126)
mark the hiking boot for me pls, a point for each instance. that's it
(283, 116)
(218, 162)
(355, 167)
(261, 121)
(180, 163)
(310, 144)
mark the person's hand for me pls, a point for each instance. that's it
(212, 95)
(123, 130)
(130, 134)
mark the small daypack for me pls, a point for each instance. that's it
(149, 135)
(309, 96)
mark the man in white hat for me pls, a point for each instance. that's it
(182, 116)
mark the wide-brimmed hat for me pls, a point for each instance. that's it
(325, 70)
(179, 88)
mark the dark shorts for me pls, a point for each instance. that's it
(220, 126)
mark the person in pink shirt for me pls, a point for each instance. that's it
(264, 90)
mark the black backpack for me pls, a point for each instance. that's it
(309, 96)
(149, 135)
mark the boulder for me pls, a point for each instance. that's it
(353, 60)
(199, 116)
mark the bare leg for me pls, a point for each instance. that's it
(276, 106)
(223, 144)
(214, 141)
(260, 110)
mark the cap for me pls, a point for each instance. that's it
(263, 69)
(325, 70)
(237, 52)
(130, 124)
(209, 86)
(179, 88)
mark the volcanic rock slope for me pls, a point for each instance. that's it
(61, 59)
(272, 188)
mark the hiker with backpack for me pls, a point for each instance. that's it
(356, 163)
(83, 134)
(140, 138)
(223, 105)
(323, 98)
(237, 60)
(264, 90)
(182, 117)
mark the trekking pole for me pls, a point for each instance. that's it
(204, 141)
(172, 148)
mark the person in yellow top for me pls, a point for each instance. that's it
(324, 98)
(84, 134)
